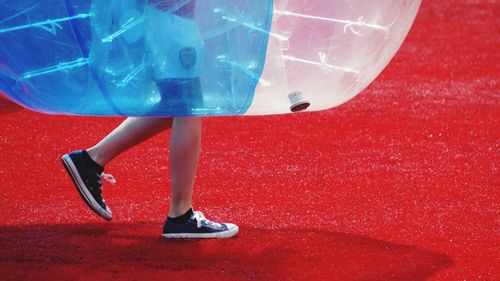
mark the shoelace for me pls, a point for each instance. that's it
(199, 217)
(108, 177)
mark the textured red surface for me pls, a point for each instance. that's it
(401, 183)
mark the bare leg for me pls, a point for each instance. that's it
(131, 132)
(185, 144)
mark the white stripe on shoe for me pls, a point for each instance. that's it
(232, 231)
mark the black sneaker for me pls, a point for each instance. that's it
(199, 227)
(87, 179)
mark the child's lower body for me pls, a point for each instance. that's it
(86, 170)
(174, 47)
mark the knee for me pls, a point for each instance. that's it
(187, 126)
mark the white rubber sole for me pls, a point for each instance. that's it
(232, 231)
(83, 190)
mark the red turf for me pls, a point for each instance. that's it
(399, 184)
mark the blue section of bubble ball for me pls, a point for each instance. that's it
(133, 57)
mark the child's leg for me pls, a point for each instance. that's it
(86, 174)
(131, 132)
(182, 222)
(185, 144)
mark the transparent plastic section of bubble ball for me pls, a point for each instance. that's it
(133, 57)
(323, 53)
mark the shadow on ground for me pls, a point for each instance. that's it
(134, 251)
(7, 106)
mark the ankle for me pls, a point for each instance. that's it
(96, 157)
(90, 163)
(179, 211)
